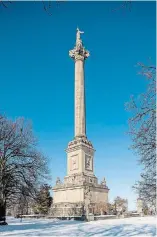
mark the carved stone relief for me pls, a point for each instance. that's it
(88, 162)
(74, 162)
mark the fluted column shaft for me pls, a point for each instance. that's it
(80, 119)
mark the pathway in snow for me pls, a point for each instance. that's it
(135, 226)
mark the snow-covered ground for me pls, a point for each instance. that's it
(134, 226)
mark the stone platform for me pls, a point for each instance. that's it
(78, 191)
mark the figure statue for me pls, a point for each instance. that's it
(78, 40)
(78, 35)
(58, 181)
(103, 182)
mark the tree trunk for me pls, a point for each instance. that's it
(2, 212)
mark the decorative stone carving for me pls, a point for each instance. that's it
(87, 193)
(78, 35)
(103, 182)
(80, 141)
(58, 181)
(79, 52)
(88, 163)
(74, 162)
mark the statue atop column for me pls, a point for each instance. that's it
(79, 52)
(78, 36)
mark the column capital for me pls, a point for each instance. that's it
(79, 53)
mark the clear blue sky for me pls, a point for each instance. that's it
(37, 79)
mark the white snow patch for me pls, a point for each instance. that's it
(134, 226)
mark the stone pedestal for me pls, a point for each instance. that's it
(70, 201)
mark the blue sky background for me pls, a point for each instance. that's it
(37, 79)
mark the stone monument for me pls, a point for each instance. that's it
(80, 191)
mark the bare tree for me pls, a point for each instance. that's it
(47, 5)
(101, 208)
(111, 208)
(142, 128)
(124, 5)
(120, 205)
(5, 4)
(21, 165)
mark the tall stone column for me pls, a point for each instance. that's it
(80, 119)
(79, 54)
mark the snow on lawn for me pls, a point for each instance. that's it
(134, 226)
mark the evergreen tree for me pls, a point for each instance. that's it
(43, 200)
